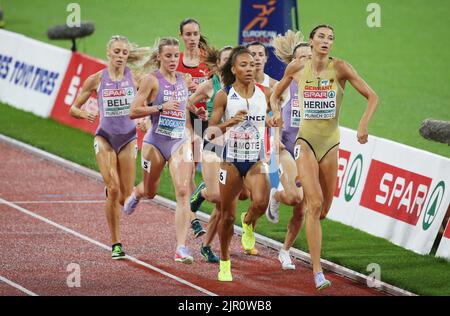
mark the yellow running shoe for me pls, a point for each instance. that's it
(252, 252)
(225, 271)
(248, 238)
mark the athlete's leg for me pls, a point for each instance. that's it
(107, 163)
(210, 173)
(294, 225)
(291, 194)
(230, 187)
(327, 176)
(181, 161)
(127, 170)
(258, 183)
(153, 164)
(308, 169)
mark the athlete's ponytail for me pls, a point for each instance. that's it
(212, 58)
(286, 45)
(228, 78)
(153, 63)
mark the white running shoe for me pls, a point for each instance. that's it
(285, 259)
(130, 204)
(321, 282)
(273, 207)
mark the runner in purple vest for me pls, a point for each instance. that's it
(287, 48)
(115, 139)
(163, 96)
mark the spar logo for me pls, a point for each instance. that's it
(353, 178)
(433, 206)
(399, 193)
(352, 174)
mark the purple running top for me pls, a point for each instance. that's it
(168, 130)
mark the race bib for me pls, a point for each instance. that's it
(172, 124)
(244, 143)
(319, 103)
(117, 102)
(295, 111)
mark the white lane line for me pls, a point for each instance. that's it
(81, 236)
(59, 202)
(17, 286)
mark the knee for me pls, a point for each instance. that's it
(315, 206)
(182, 192)
(260, 204)
(227, 219)
(113, 190)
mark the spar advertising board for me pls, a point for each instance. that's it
(391, 190)
(80, 68)
(31, 72)
(444, 246)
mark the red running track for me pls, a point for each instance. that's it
(52, 217)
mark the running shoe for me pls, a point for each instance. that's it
(251, 252)
(182, 255)
(248, 237)
(272, 211)
(321, 282)
(197, 198)
(117, 252)
(130, 204)
(285, 259)
(208, 254)
(197, 228)
(225, 271)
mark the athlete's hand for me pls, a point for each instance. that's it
(171, 105)
(362, 134)
(142, 125)
(91, 117)
(275, 120)
(239, 117)
(202, 113)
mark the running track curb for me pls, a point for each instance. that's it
(303, 256)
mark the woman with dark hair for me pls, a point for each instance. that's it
(212, 151)
(321, 80)
(261, 55)
(192, 64)
(243, 106)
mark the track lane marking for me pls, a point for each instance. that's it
(17, 286)
(101, 245)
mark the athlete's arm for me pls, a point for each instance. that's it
(347, 72)
(89, 86)
(220, 104)
(292, 70)
(139, 106)
(203, 93)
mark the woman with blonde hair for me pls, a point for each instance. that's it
(287, 48)
(163, 96)
(115, 142)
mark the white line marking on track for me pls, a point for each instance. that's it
(81, 236)
(58, 202)
(17, 286)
